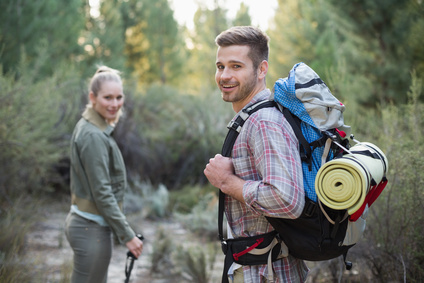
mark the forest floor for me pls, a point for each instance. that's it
(49, 251)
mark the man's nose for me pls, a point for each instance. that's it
(226, 74)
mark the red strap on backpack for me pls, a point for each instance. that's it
(258, 242)
(372, 195)
(341, 133)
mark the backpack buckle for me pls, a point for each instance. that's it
(310, 208)
(224, 247)
(234, 125)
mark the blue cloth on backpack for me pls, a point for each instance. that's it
(285, 94)
(311, 134)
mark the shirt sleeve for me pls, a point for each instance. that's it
(94, 154)
(278, 190)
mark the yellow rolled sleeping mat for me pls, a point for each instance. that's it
(343, 183)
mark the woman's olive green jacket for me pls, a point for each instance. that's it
(98, 176)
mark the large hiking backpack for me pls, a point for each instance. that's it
(340, 181)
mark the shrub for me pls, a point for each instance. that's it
(203, 218)
(173, 135)
(163, 247)
(34, 130)
(185, 199)
(151, 201)
(196, 263)
(394, 236)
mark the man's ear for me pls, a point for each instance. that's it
(263, 69)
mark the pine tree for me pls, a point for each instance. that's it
(104, 38)
(242, 16)
(314, 33)
(154, 45)
(390, 28)
(207, 25)
(26, 26)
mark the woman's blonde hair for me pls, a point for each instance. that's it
(103, 74)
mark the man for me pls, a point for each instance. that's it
(264, 176)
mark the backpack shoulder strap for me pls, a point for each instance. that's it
(234, 128)
(306, 154)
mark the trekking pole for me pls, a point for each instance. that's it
(130, 259)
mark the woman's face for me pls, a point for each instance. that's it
(108, 101)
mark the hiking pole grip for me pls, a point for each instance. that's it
(130, 259)
(129, 254)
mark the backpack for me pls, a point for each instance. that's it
(340, 181)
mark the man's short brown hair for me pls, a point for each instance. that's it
(246, 35)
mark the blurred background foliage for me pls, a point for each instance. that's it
(370, 54)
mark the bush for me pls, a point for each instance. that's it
(34, 130)
(203, 218)
(151, 201)
(185, 199)
(173, 135)
(395, 234)
(161, 255)
(196, 263)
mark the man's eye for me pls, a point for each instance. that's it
(219, 67)
(236, 66)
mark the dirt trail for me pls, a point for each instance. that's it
(49, 250)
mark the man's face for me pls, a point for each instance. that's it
(235, 76)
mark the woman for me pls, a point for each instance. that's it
(98, 182)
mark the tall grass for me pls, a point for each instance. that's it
(16, 222)
(393, 244)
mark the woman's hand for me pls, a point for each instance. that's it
(135, 246)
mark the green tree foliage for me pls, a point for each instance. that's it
(354, 46)
(414, 40)
(289, 43)
(390, 29)
(153, 44)
(201, 65)
(169, 136)
(103, 38)
(312, 32)
(27, 24)
(394, 236)
(242, 16)
(35, 120)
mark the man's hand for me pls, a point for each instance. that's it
(220, 173)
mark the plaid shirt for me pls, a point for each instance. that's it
(266, 155)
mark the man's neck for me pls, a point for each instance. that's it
(238, 105)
